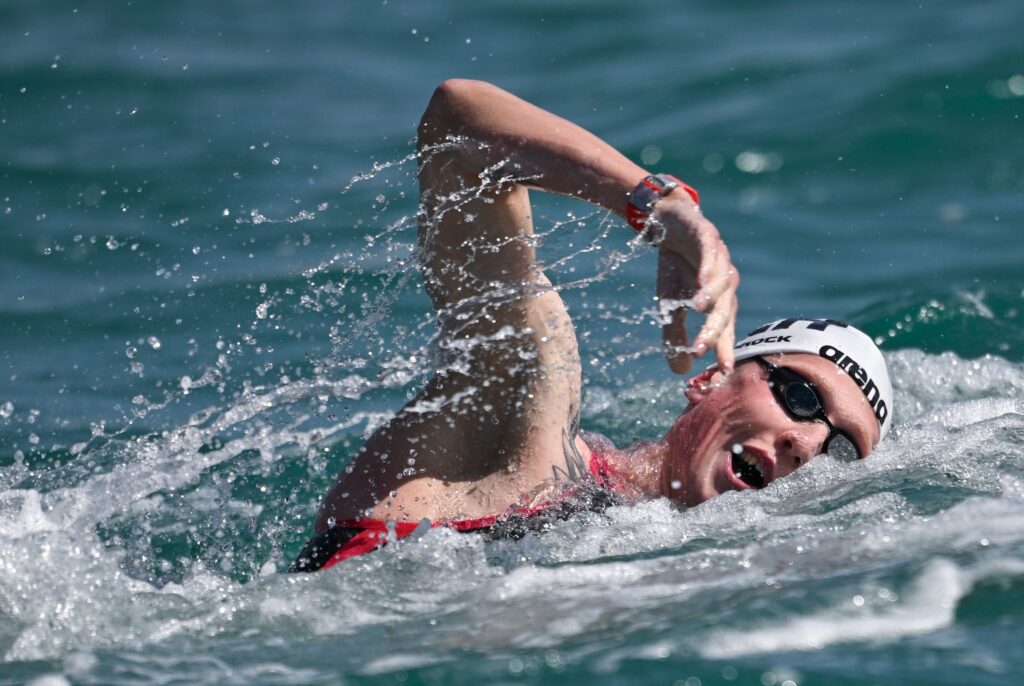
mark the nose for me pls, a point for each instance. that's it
(798, 445)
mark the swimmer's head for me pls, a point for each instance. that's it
(800, 388)
(850, 349)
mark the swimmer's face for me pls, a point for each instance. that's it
(740, 412)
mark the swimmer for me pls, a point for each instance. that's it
(492, 442)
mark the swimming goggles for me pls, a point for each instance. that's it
(799, 397)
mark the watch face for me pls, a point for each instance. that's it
(667, 182)
(650, 189)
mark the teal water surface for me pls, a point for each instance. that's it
(209, 297)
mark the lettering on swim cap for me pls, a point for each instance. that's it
(860, 377)
(813, 324)
(769, 339)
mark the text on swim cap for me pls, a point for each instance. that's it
(860, 377)
(813, 324)
(767, 339)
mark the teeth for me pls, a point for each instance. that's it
(752, 461)
(747, 468)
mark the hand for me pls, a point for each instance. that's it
(694, 272)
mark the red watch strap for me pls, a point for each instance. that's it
(690, 190)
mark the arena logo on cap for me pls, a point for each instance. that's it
(860, 377)
(845, 346)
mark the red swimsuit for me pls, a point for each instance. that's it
(354, 537)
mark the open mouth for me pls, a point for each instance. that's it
(748, 469)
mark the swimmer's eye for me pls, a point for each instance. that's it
(800, 399)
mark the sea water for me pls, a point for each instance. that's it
(209, 299)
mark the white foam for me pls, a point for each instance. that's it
(929, 605)
(21, 514)
(50, 680)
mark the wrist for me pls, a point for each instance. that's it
(649, 191)
(685, 193)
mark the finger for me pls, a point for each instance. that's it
(676, 343)
(719, 330)
(699, 244)
(715, 274)
(725, 348)
(675, 282)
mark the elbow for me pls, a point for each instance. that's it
(450, 109)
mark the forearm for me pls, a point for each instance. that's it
(480, 147)
(540, 148)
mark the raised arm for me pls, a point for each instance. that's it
(499, 417)
(480, 146)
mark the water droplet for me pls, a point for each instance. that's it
(131, 351)
(33, 439)
(186, 383)
(737, 448)
(6, 410)
(651, 154)
(154, 342)
(276, 161)
(1016, 84)
(754, 162)
(112, 243)
(713, 163)
(676, 485)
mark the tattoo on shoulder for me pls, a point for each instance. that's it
(575, 467)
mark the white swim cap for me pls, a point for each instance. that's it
(850, 349)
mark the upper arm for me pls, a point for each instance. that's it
(498, 313)
(475, 226)
(477, 248)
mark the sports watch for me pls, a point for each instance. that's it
(649, 191)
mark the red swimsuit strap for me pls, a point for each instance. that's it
(600, 469)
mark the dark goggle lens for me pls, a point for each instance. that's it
(802, 400)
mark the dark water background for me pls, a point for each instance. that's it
(207, 219)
